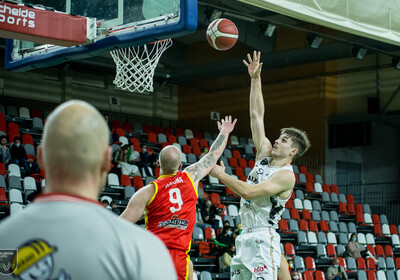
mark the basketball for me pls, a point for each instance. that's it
(222, 34)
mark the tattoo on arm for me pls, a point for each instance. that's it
(217, 143)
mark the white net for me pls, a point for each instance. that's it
(136, 65)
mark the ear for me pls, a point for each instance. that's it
(158, 163)
(40, 157)
(293, 151)
(180, 166)
(106, 163)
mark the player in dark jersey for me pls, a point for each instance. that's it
(169, 203)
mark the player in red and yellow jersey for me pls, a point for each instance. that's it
(169, 203)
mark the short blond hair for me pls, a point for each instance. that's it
(299, 139)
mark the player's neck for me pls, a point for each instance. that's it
(279, 162)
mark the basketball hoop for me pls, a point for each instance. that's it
(136, 65)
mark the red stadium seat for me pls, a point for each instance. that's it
(323, 226)
(313, 226)
(147, 128)
(303, 169)
(359, 208)
(127, 126)
(289, 250)
(2, 169)
(334, 189)
(171, 139)
(308, 275)
(179, 132)
(388, 251)
(350, 198)
(251, 163)
(223, 210)
(3, 196)
(310, 178)
(186, 149)
(342, 208)
(326, 188)
(371, 264)
(193, 142)
(376, 219)
(379, 251)
(378, 230)
(331, 251)
(120, 132)
(397, 262)
(393, 229)
(27, 139)
(294, 214)
(215, 199)
(236, 154)
(306, 214)
(204, 249)
(371, 275)
(360, 218)
(3, 126)
(351, 209)
(203, 143)
(303, 225)
(361, 264)
(242, 163)
(36, 113)
(230, 193)
(319, 275)
(151, 137)
(136, 144)
(310, 264)
(342, 263)
(240, 172)
(157, 129)
(196, 150)
(209, 233)
(371, 249)
(283, 226)
(125, 180)
(198, 135)
(289, 204)
(233, 162)
(138, 182)
(116, 124)
(309, 187)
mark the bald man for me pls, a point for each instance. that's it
(169, 202)
(66, 233)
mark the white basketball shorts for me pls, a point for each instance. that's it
(258, 255)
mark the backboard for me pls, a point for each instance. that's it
(119, 24)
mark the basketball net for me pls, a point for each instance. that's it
(136, 65)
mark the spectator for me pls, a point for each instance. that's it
(71, 235)
(18, 156)
(153, 158)
(144, 158)
(199, 219)
(291, 264)
(5, 155)
(354, 250)
(208, 214)
(226, 234)
(296, 275)
(336, 271)
(105, 201)
(114, 208)
(204, 151)
(227, 257)
(122, 158)
(135, 158)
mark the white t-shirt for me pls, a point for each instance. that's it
(264, 211)
(61, 236)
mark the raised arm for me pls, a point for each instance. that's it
(281, 182)
(137, 204)
(262, 144)
(199, 170)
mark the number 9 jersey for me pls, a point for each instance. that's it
(171, 212)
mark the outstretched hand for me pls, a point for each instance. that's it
(253, 66)
(217, 169)
(226, 125)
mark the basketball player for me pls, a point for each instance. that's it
(170, 201)
(264, 194)
(66, 233)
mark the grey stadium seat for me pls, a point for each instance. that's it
(343, 227)
(322, 238)
(361, 275)
(14, 182)
(299, 264)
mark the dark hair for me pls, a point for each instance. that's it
(2, 137)
(17, 138)
(299, 139)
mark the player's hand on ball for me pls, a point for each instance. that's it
(226, 125)
(217, 170)
(253, 65)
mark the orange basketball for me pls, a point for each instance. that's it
(222, 34)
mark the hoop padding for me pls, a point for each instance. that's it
(136, 65)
